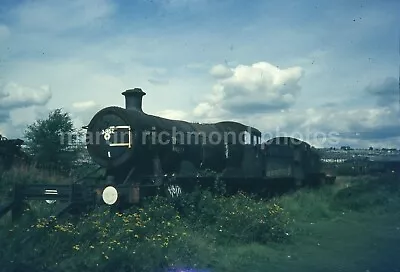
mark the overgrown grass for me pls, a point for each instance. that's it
(199, 230)
(369, 194)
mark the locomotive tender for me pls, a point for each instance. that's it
(150, 151)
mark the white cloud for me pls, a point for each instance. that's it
(25, 116)
(21, 105)
(206, 110)
(14, 95)
(84, 105)
(259, 87)
(221, 71)
(173, 114)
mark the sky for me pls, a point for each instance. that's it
(326, 72)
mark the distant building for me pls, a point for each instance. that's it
(362, 161)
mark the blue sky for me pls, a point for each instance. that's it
(302, 68)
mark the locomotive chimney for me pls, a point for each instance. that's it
(133, 99)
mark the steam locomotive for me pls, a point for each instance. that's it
(135, 147)
(144, 155)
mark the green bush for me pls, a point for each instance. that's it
(309, 204)
(238, 218)
(159, 234)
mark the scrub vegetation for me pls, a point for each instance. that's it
(200, 230)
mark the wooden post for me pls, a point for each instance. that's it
(134, 194)
(6, 208)
(17, 208)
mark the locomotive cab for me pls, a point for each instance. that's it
(252, 163)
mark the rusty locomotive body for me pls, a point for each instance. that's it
(135, 147)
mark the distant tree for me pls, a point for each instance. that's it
(54, 143)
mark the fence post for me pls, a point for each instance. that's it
(17, 207)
